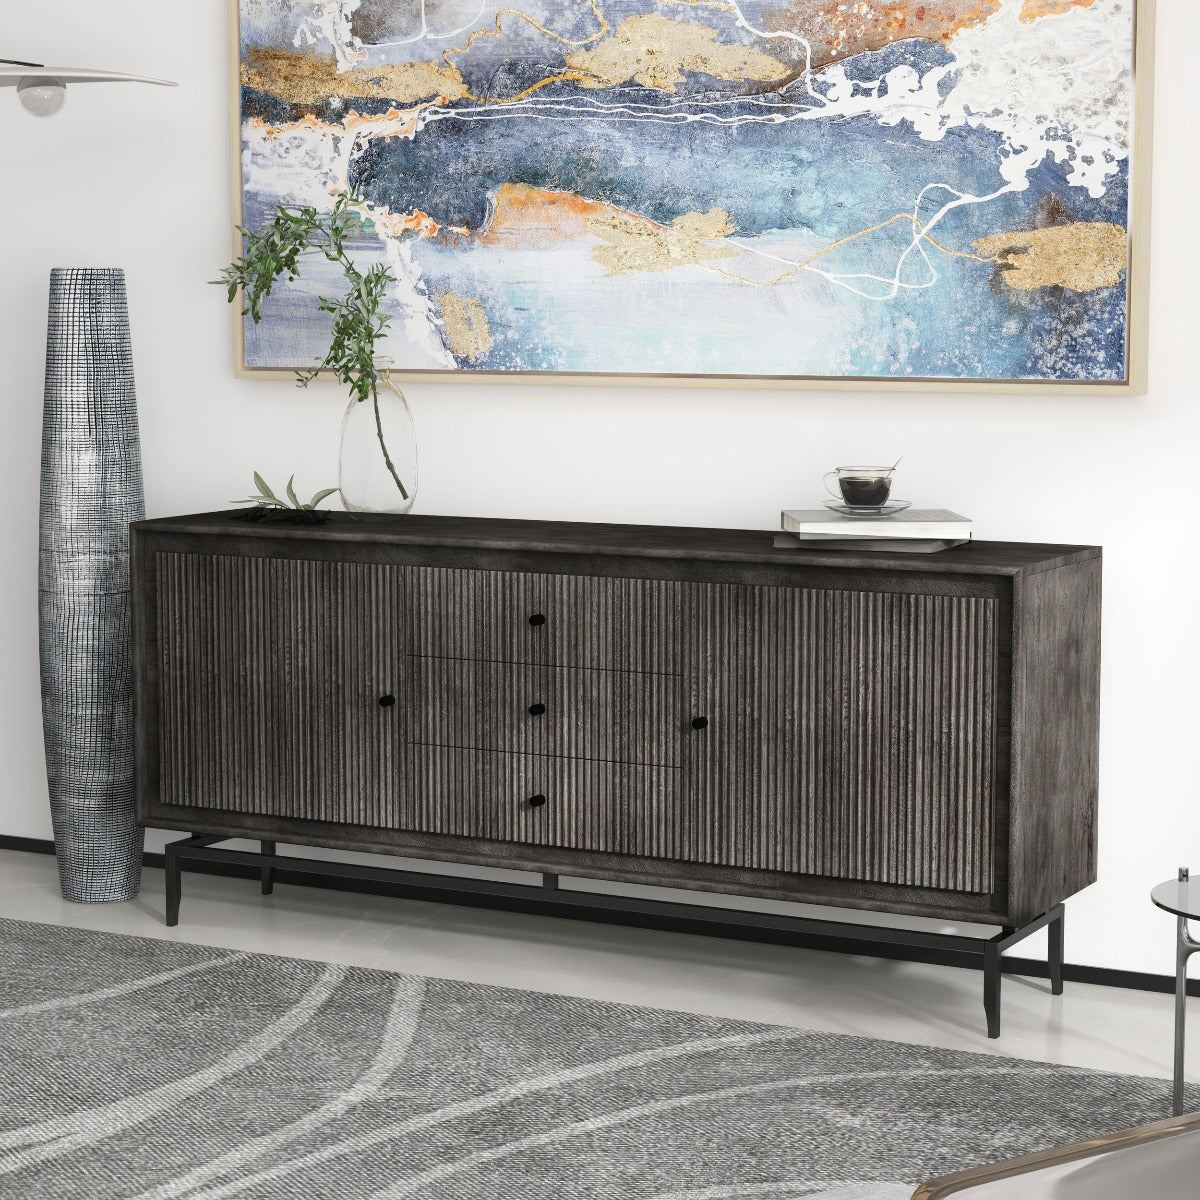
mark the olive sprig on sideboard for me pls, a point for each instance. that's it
(266, 498)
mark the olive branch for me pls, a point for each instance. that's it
(358, 320)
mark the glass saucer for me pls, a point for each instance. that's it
(867, 510)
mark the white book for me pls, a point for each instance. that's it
(936, 523)
(794, 541)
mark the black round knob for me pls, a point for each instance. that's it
(537, 619)
(699, 722)
(536, 710)
(386, 701)
(537, 801)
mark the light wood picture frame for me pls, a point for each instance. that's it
(597, 193)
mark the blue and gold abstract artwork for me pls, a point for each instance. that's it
(776, 189)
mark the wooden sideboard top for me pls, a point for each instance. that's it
(649, 541)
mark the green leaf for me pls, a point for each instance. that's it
(261, 484)
(291, 492)
(323, 494)
(358, 322)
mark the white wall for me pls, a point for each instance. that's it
(139, 178)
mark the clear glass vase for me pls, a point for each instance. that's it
(377, 471)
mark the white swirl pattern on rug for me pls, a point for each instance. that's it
(416, 1185)
(495, 1099)
(90, 1125)
(397, 1036)
(119, 989)
(176, 1072)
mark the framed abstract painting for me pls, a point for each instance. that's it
(857, 193)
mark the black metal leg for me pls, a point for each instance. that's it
(993, 960)
(1054, 935)
(654, 914)
(174, 884)
(991, 987)
(173, 854)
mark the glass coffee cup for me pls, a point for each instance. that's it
(861, 487)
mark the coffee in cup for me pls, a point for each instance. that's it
(861, 487)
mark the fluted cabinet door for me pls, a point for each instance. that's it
(272, 673)
(850, 734)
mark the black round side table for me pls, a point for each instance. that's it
(1182, 897)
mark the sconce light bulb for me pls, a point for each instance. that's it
(42, 95)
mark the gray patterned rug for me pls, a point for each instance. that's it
(139, 1068)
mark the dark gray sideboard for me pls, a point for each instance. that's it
(691, 708)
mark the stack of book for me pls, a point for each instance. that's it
(912, 531)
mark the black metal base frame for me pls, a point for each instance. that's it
(624, 910)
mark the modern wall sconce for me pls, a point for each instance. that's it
(42, 90)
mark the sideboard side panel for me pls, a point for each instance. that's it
(1055, 738)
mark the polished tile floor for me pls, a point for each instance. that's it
(1107, 1028)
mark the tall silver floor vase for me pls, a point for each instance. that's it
(91, 490)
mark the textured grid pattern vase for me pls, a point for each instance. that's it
(91, 489)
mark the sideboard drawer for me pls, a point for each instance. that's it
(613, 716)
(496, 616)
(557, 620)
(619, 808)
